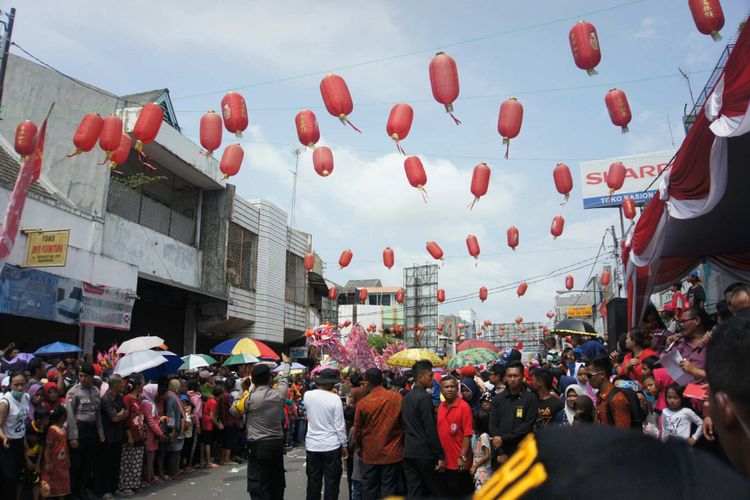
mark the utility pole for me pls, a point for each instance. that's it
(617, 259)
(296, 154)
(8, 27)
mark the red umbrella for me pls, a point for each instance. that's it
(475, 344)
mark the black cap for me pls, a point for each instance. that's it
(87, 369)
(328, 376)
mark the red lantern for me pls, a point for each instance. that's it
(563, 180)
(708, 17)
(519, 320)
(25, 142)
(231, 160)
(87, 133)
(111, 135)
(323, 161)
(362, 295)
(550, 314)
(483, 293)
(509, 121)
(512, 236)
(337, 98)
(309, 261)
(522, 287)
(147, 125)
(416, 175)
(345, 258)
(399, 123)
(307, 128)
(480, 181)
(441, 295)
(444, 82)
(210, 132)
(569, 282)
(333, 293)
(435, 250)
(121, 154)
(606, 278)
(584, 43)
(234, 112)
(557, 226)
(619, 109)
(420, 327)
(308, 333)
(400, 296)
(616, 176)
(628, 208)
(388, 257)
(519, 346)
(441, 327)
(473, 245)
(347, 323)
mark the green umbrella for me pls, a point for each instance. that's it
(240, 359)
(473, 357)
(209, 359)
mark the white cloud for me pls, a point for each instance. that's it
(648, 28)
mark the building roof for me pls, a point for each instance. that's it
(145, 97)
(9, 168)
(159, 96)
(353, 285)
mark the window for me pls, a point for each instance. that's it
(296, 284)
(242, 248)
(385, 300)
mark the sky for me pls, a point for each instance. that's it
(275, 54)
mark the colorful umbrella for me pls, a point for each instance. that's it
(295, 369)
(473, 357)
(143, 343)
(476, 344)
(240, 359)
(138, 362)
(407, 358)
(193, 361)
(574, 327)
(245, 345)
(325, 366)
(209, 359)
(57, 348)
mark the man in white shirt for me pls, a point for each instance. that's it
(326, 440)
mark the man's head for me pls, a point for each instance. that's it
(740, 300)
(36, 368)
(651, 319)
(514, 376)
(549, 343)
(327, 379)
(449, 388)
(86, 374)
(261, 375)
(422, 372)
(676, 287)
(729, 392)
(693, 277)
(115, 384)
(374, 378)
(694, 323)
(598, 372)
(541, 380)
(497, 374)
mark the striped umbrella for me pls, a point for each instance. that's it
(240, 359)
(473, 357)
(245, 345)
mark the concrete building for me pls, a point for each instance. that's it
(380, 307)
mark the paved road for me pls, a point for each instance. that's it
(230, 482)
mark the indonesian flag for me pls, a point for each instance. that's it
(29, 174)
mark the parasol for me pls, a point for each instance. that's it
(473, 357)
(407, 358)
(574, 327)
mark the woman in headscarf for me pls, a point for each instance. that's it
(571, 394)
(154, 433)
(175, 412)
(583, 382)
(471, 385)
(36, 397)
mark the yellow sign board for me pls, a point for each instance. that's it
(47, 248)
(579, 311)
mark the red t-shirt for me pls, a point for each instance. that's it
(454, 423)
(135, 418)
(209, 410)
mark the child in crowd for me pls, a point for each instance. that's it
(676, 419)
(481, 469)
(188, 447)
(486, 400)
(56, 470)
(209, 420)
(34, 445)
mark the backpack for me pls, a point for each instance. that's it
(636, 413)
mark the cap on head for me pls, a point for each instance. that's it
(87, 369)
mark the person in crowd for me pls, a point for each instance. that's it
(567, 416)
(326, 442)
(8, 360)
(654, 327)
(131, 463)
(188, 448)
(548, 405)
(583, 381)
(175, 413)
(497, 375)
(638, 344)
(455, 428)
(209, 424)
(36, 429)
(263, 406)
(691, 346)
(739, 303)
(36, 398)
(55, 476)
(85, 430)
(677, 419)
(668, 318)
(423, 453)
(154, 433)
(36, 370)
(467, 380)
(585, 412)
(378, 434)
(229, 424)
(661, 380)
(551, 353)
(590, 348)
(614, 410)
(679, 302)
(196, 400)
(486, 402)
(513, 415)
(481, 467)
(14, 410)
(114, 415)
(696, 295)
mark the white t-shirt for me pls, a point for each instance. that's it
(676, 424)
(18, 411)
(326, 430)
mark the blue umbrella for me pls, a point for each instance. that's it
(171, 367)
(57, 348)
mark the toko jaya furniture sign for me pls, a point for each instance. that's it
(641, 173)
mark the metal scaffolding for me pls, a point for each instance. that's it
(506, 335)
(421, 285)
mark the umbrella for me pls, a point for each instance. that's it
(407, 358)
(574, 327)
(138, 362)
(25, 357)
(245, 345)
(193, 361)
(328, 366)
(209, 359)
(473, 357)
(140, 344)
(57, 348)
(475, 344)
(240, 359)
(171, 367)
(294, 370)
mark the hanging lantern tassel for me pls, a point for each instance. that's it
(398, 144)
(345, 121)
(449, 110)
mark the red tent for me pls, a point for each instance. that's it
(702, 208)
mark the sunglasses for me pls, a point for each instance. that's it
(591, 375)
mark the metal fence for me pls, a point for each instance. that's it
(242, 251)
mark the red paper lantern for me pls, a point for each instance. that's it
(483, 293)
(400, 296)
(337, 98)
(307, 128)
(111, 135)
(628, 208)
(558, 223)
(333, 293)
(25, 142)
(584, 43)
(234, 112)
(147, 125)
(399, 123)
(480, 181)
(388, 257)
(309, 261)
(345, 258)
(416, 175)
(87, 133)
(362, 295)
(509, 121)
(550, 314)
(606, 278)
(231, 160)
(210, 132)
(323, 161)
(708, 17)
(444, 81)
(512, 236)
(435, 250)
(518, 320)
(519, 346)
(441, 327)
(619, 109)
(441, 295)
(569, 282)
(563, 180)
(616, 176)
(473, 245)
(121, 154)
(522, 287)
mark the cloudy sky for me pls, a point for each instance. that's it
(275, 54)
